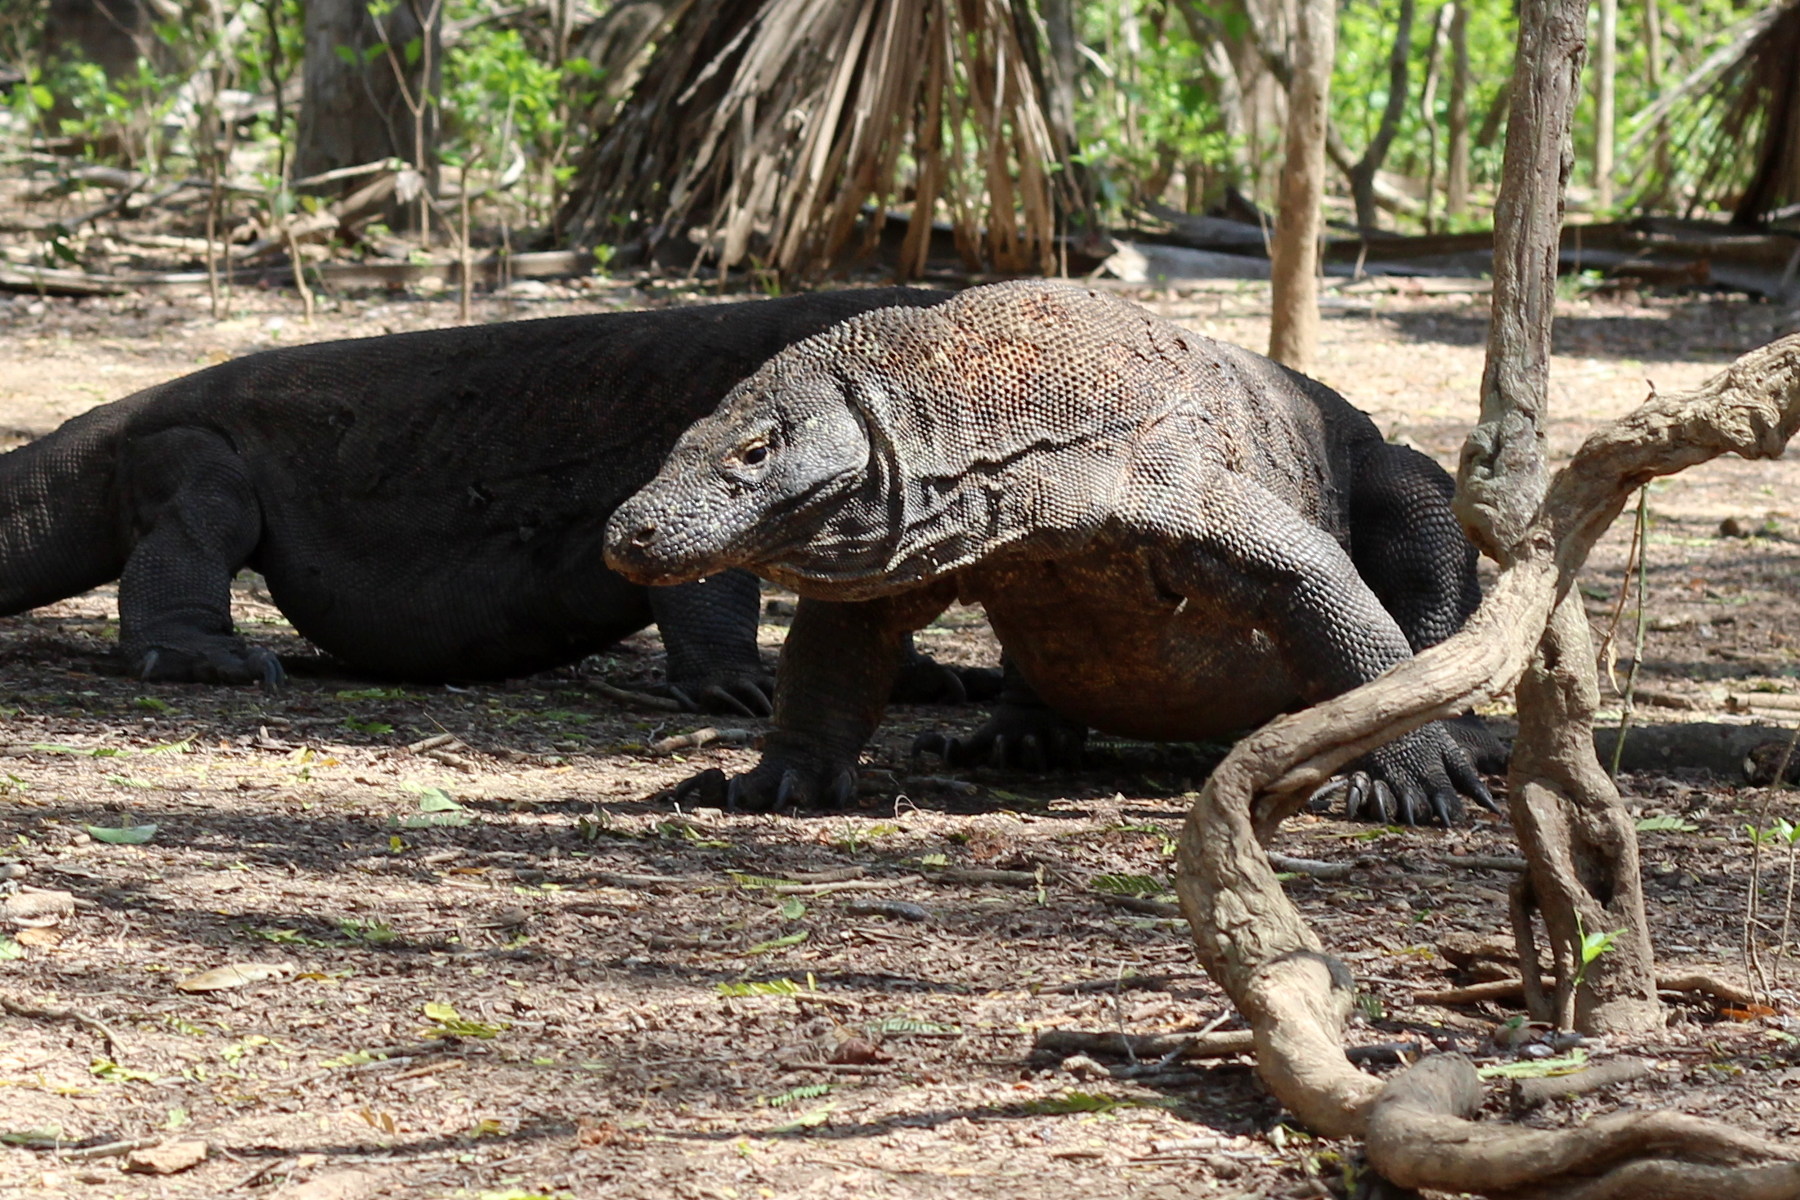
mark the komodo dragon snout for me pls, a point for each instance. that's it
(754, 481)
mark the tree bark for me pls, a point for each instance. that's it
(1294, 330)
(1249, 935)
(1456, 188)
(1362, 173)
(1605, 72)
(1580, 842)
(363, 103)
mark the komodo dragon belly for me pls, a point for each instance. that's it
(1103, 643)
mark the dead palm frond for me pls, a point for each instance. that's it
(764, 129)
(1734, 122)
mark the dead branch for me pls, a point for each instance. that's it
(1250, 937)
(1514, 989)
(1419, 1125)
(1528, 1094)
(36, 1012)
(1064, 1042)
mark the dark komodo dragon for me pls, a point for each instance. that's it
(1173, 538)
(426, 506)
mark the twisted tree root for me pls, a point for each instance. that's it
(1253, 942)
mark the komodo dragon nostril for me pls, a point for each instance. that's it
(645, 535)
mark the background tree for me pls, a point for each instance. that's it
(372, 73)
(1294, 327)
(761, 131)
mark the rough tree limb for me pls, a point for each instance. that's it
(1250, 937)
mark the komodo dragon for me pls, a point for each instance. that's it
(425, 506)
(1173, 538)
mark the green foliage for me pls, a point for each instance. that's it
(1145, 107)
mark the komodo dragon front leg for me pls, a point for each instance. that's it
(1225, 538)
(193, 521)
(838, 668)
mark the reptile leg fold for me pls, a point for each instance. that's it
(1306, 594)
(194, 521)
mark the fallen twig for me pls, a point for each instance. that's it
(112, 1149)
(1139, 904)
(1065, 1042)
(833, 1068)
(1514, 989)
(1317, 868)
(1125, 983)
(34, 1012)
(700, 737)
(988, 875)
(899, 909)
(844, 885)
(1528, 1094)
(635, 699)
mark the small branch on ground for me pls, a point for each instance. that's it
(1528, 1094)
(35, 1012)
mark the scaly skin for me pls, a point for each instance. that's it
(1173, 538)
(424, 506)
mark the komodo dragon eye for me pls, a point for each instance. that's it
(752, 453)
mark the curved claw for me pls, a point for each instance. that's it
(731, 695)
(708, 787)
(790, 792)
(268, 666)
(717, 699)
(933, 743)
(843, 789)
(148, 668)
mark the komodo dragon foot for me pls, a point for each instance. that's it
(1414, 779)
(771, 786)
(728, 693)
(1031, 737)
(225, 660)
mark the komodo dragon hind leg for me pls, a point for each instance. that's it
(194, 520)
(1410, 549)
(1023, 732)
(709, 630)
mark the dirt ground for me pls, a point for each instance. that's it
(496, 962)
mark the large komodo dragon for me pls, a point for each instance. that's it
(1173, 538)
(426, 506)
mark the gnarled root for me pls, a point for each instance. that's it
(1255, 945)
(1419, 1135)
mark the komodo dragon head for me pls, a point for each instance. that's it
(756, 481)
(900, 445)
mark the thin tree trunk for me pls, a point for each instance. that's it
(1456, 188)
(1653, 75)
(358, 107)
(1434, 57)
(1294, 332)
(1228, 96)
(1605, 72)
(1580, 842)
(1362, 174)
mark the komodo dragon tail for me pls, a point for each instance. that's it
(60, 529)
